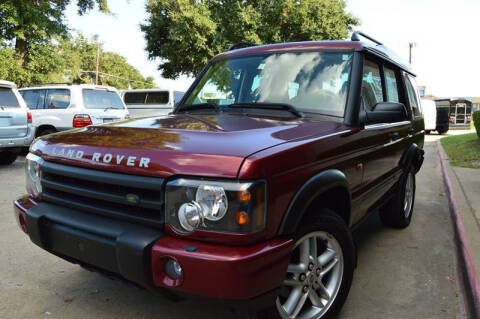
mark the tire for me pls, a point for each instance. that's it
(7, 157)
(427, 132)
(441, 132)
(24, 151)
(46, 132)
(326, 229)
(397, 213)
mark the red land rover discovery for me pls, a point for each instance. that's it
(249, 190)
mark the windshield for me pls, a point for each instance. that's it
(311, 82)
(100, 99)
(7, 98)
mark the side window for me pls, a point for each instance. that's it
(34, 99)
(412, 96)
(134, 98)
(58, 99)
(157, 97)
(392, 85)
(372, 91)
(178, 96)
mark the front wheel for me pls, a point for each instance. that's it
(320, 272)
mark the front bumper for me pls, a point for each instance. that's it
(138, 253)
(19, 141)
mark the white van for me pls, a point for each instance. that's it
(63, 107)
(16, 129)
(151, 102)
(429, 114)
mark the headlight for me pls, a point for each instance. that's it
(215, 205)
(33, 175)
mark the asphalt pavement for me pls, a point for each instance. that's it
(409, 273)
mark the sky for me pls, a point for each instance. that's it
(445, 33)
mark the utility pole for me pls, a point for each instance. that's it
(411, 45)
(98, 63)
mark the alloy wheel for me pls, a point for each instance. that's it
(409, 194)
(314, 277)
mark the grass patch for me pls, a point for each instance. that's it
(463, 150)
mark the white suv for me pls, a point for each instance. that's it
(16, 130)
(63, 107)
(151, 102)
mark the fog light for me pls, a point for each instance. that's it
(173, 269)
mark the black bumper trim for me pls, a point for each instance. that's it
(115, 246)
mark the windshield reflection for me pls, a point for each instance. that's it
(314, 82)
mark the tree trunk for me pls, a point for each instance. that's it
(21, 48)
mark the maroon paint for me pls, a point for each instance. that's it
(222, 271)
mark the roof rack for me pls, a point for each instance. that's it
(357, 34)
(243, 44)
(59, 83)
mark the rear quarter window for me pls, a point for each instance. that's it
(157, 97)
(413, 95)
(134, 97)
(101, 99)
(8, 98)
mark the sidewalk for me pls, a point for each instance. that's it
(465, 186)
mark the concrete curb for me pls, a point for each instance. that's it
(466, 264)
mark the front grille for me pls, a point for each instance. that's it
(104, 193)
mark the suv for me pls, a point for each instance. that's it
(16, 130)
(63, 107)
(249, 194)
(151, 102)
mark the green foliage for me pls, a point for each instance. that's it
(70, 61)
(185, 34)
(476, 121)
(28, 23)
(463, 150)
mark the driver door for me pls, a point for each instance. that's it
(383, 143)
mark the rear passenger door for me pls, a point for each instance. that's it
(57, 102)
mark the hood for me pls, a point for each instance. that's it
(202, 145)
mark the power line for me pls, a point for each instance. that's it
(114, 76)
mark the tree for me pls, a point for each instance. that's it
(27, 22)
(79, 56)
(185, 34)
(70, 60)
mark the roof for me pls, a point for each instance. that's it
(150, 90)
(7, 84)
(376, 49)
(84, 86)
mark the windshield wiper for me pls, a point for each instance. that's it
(267, 106)
(110, 108)
(201, 106)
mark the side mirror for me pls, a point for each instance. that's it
(387, 112)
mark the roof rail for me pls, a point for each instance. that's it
(59, 83)
(243, 44)
(357, 34)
